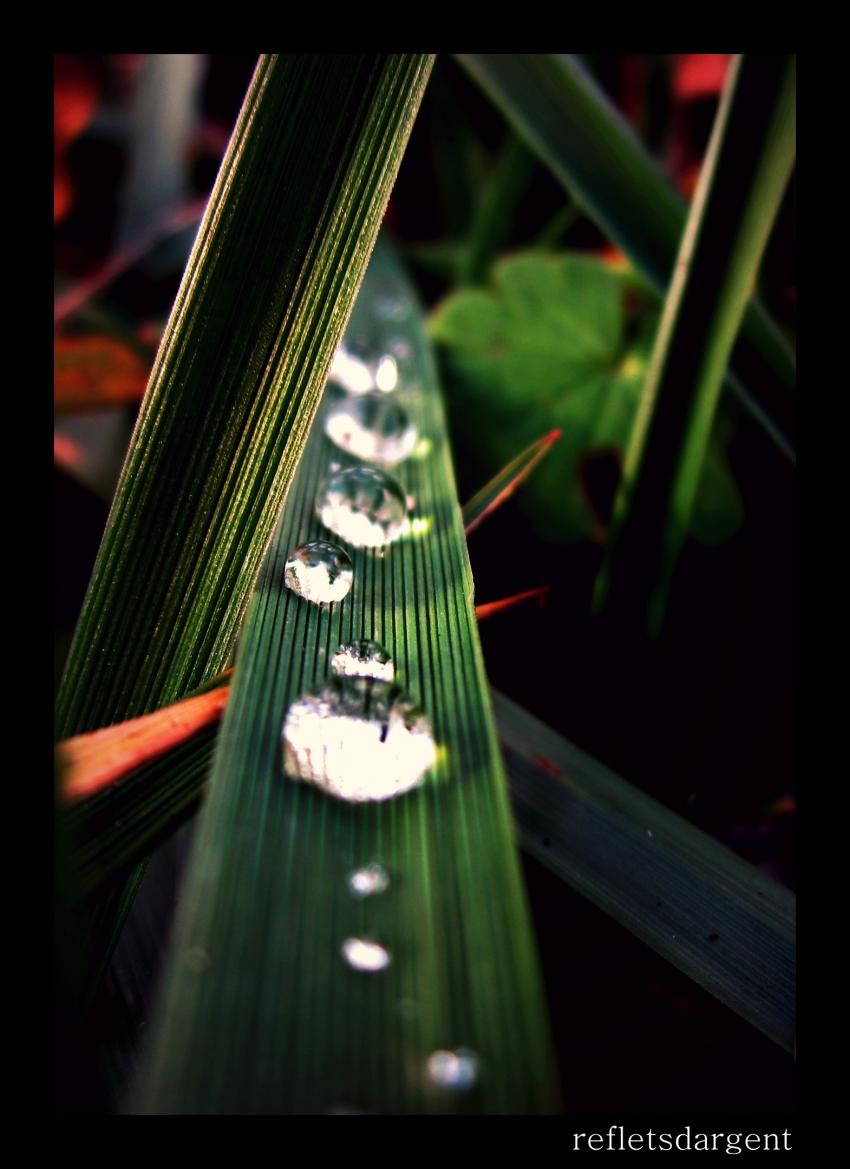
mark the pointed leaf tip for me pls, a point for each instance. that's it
(502, 486)
(492, 607)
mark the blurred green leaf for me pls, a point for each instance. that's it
(554, 104)
(553, 344)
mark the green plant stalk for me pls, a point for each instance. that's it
(703, 909)
(275, 268)
(749, 161)
(277, 1022)
(554, 104)
(493, 217)
(276, 265)
(720, 921)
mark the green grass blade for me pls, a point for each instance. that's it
(276, 1022)
(502, 486)
(712, 915)
(120, 827)
(496, 206)
(276, 265)
(553, 103)
(749, 161)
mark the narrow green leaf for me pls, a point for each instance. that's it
(276, 265)
(495, 209)
(750, 158)
(261, 1014)
(712, 915)
(573, 129)
(502, 486)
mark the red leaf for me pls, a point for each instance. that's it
(95, 372)
(493, 607)
(699, 75)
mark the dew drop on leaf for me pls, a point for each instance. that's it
(361, 954)
(369, 881)
(357, 739)
(456, 1071)
(372, 427)
(364, 658)
(319, 572)
(363, 506)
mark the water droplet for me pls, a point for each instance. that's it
(359, 368)
(361, 954)
(363, 506)
(319, 572)
(456, 1071)
(365, 658)
(358, 739)
(372, 427)
(369, 880)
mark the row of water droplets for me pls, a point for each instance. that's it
(359, 736)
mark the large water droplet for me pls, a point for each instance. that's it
(360, 367)
(363, 506)
(364, 955)
(369, 880)
(367, 659)
(372, 427)
(319, 572)
(358, 739)
(456, 1071)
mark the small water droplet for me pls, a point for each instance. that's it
(359, 367)
(197, 960)
(369, 880)
(361, 954)
(363, 506)
(371, 427)
(456, 1071)
(319, 572)
(365, 658)
(357, 739)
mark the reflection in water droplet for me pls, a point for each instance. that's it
(358, 739)
(319, 572)
(369, 880)
(363, 506)
(368, 659)
(456, 1071)
(361, 954)
(359, 368)
(372, 427)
